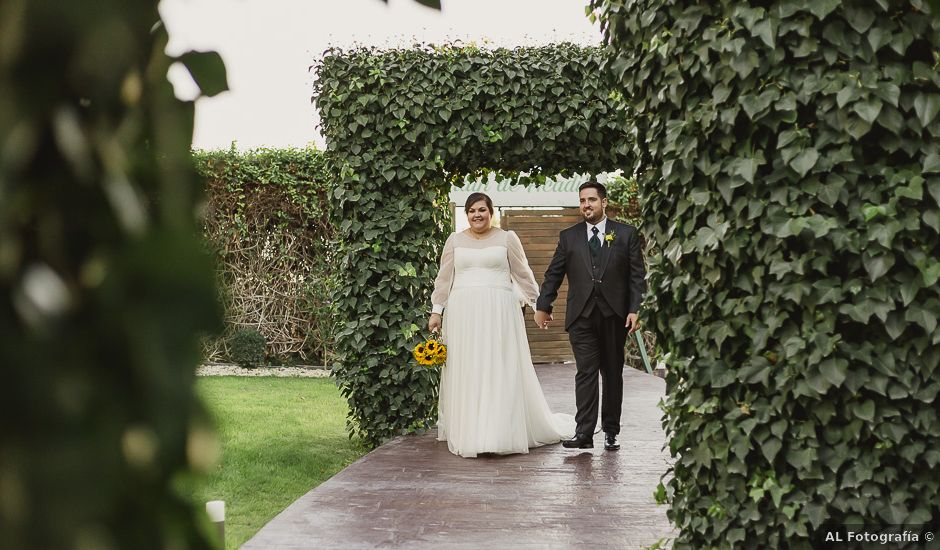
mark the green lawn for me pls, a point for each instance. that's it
(280, 437)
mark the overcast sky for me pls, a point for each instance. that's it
(268, 46)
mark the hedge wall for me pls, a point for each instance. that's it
(789, 166)
(402, 125)
(267, 218)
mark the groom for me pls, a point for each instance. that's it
(605, 270)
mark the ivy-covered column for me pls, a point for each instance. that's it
(789, 162)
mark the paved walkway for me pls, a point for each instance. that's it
(412, 493)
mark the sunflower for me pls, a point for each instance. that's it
(430, 353)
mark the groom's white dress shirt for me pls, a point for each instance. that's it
(601, 226)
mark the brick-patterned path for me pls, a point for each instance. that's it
(412, 493)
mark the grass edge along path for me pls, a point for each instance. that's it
(279, 438)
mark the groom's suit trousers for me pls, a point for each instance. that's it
(598, 342)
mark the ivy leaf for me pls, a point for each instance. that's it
(872, 211)
(889, 92)
(821, 226)
(892, 119)
(878, 37)
(909, 287)
(864, 410)
(846, 95)
(828, 292)
(801, 459)
(895, 513)
(830, 191)
(913, 190)
(407, 270)
(786, 137)
(926, 106)
(818, 383)
(859, 18)
(931, 218)
(858, 128)
(756, 104)
(700, 197)
(834, 370)
(822, 8)
(746, 168)
(207, 70)
(766, 30)
(659, 495)
(933, 187)
(895, 325)
(805, 161)
(816, 514)
(877, 265)
(931, 163)
(868, 110)
(770, 448)
(930, 271)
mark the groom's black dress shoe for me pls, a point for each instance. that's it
(580, 441)
(610, 442)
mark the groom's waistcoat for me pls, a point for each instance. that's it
(596, 298)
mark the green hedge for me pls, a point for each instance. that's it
(402, 125)
(104, 285)
(789, 166)
(267, 218)
(623, 200)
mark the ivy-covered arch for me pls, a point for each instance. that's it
(401, 126)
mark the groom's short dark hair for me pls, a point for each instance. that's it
(594, 184)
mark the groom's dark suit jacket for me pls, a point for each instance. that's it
(619, 277)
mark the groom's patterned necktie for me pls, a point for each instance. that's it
(594, 242)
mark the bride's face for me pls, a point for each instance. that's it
(479, 217)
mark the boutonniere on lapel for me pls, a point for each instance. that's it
(609, 238)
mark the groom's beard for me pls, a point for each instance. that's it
(592, 218)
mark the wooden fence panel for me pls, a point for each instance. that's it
(538, 230)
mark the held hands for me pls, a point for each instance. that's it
(434, 323)
(542, 319)
(633, 323)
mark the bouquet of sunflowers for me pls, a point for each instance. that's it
(431, 352)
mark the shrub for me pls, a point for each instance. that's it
(247, 347)
(623, 197)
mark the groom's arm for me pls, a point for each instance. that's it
(554, 276)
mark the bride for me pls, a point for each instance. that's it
(490, 398)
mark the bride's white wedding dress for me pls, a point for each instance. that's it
(490, 398)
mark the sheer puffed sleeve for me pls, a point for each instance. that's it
(520, 270)
(445, 277)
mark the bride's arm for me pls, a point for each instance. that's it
(520, 270)
(445, 277)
